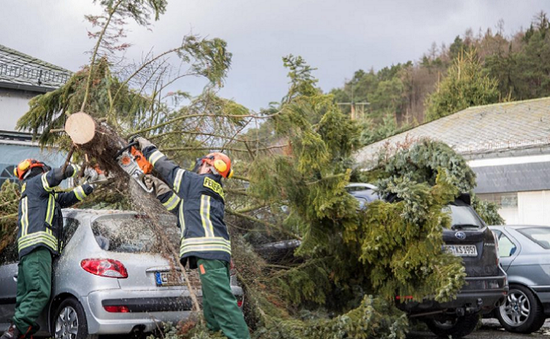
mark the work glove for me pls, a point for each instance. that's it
(143, 143)
(91, 175)
(159, 186)
(70, 172)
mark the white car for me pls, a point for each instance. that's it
(113, 277)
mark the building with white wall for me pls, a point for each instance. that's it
(508, 147)
(23, 77)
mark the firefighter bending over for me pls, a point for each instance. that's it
(198, 201)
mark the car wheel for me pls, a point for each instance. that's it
(70, 321)
(521, 312)
(453, 327)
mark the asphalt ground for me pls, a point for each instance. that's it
(490, 328)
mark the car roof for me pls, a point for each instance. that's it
(363, 191)
(93, 214)
(517, 226)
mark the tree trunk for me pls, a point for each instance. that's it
(97, 140)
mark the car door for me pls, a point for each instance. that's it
(508, 248)
(8, 284)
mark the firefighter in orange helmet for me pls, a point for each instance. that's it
(197, 198)
(39, 238)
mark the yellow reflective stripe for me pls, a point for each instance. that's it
(51, 207)
(155, 157)
(24, 216)
(172, 202)
(79, 193)
(37, 238)
(177, 180)
(45, 183)
(182, 219)
(208, 240)
(76, 170)
(205, 245)
(205, 216)
(204, 248)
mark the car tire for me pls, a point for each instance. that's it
(70, 321)
(521, 311)
(456, 327)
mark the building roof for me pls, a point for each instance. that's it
(513, 178)
(21, 71)
(479, 130)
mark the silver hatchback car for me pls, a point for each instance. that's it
(113, 277)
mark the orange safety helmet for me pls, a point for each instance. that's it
(220, 162)
(26, 165)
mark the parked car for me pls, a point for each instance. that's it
(525, 256)
(486, 286)
(111, 278)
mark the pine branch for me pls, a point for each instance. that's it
(265, 223)
(193, 148)
(250, 209)
(227, 116)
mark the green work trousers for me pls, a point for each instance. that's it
(221, 311)
(34, 282)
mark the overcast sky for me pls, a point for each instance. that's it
(336, 37)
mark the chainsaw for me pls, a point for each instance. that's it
(132, 161)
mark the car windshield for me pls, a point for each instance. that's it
(463, 216)
(540, 235)
(134, 233)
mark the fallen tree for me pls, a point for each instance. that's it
(339, 283)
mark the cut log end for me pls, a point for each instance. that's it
(80, 127)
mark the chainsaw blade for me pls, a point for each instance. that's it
(127, 162)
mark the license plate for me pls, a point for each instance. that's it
(168, 279)
(462, 250)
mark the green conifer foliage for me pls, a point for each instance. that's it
(466, 84)
(9, 204)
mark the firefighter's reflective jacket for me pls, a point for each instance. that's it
(40, 220)
(198, 201)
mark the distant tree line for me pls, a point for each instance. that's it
(473, 70)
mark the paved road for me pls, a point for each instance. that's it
(491, 329)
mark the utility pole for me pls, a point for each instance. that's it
(354, 105)
(357, 108)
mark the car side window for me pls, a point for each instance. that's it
(9, 254)
(70, 225)
(506, 247)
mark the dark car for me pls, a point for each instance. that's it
(525, 256)
(486, 285)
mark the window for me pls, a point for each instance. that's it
(503, 200)
(463, 216)
(134, 233)
(539, 235)
(506, 247)
(70, 225)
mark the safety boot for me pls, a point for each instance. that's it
(11, 333)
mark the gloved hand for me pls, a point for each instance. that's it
(71, 171)
(159, 185)
(91, 175)
(143, 143)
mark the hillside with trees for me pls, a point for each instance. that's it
(475, 69)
